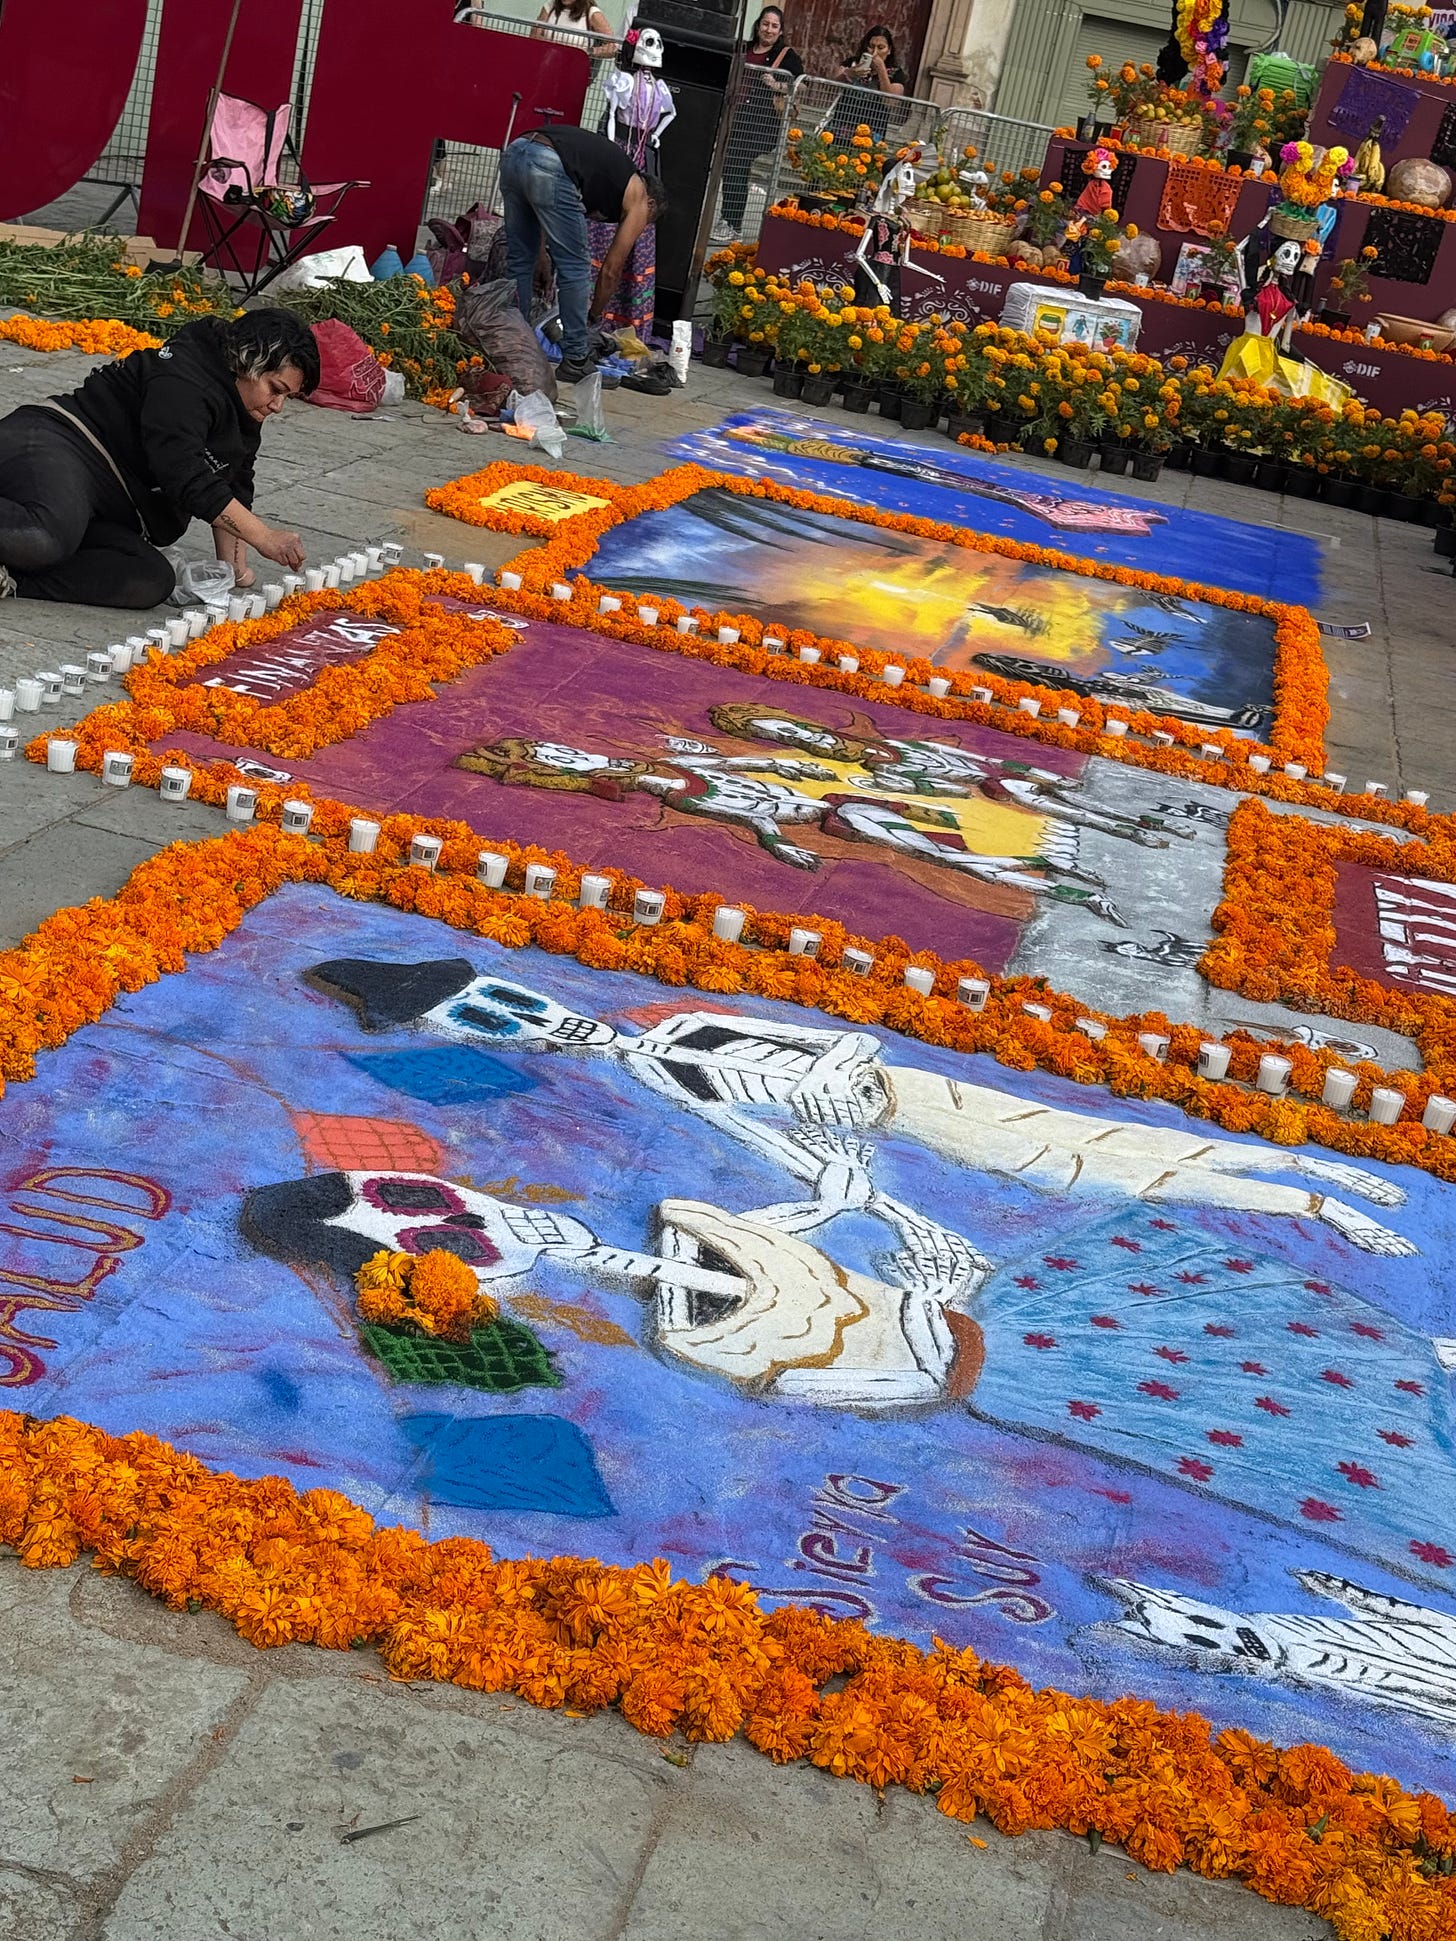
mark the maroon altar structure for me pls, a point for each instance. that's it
(974, 293)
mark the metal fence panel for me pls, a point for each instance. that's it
(818, 105)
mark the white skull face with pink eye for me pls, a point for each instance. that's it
(414, 1213)
(513, 1017)
(648, 49)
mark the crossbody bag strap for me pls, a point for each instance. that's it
(49, 404)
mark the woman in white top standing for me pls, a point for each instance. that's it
(577, 23)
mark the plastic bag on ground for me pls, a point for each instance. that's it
(534, 415)
(353, 379)
(487, 318)
(393, 388)
(581, 409)
(326, 266)
(202, 582)
(681, 353)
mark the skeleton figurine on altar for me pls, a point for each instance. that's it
(1096, 196)
(639, 104)
(1282, 298)
(884, 249)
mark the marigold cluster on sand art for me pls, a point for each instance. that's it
(434, 1293)
(285, 1567)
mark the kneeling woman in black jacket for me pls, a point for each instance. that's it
(93, 483)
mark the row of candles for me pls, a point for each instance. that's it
(893, 676)
(492, 868)
(49, 688)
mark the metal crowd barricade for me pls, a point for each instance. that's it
(818, 106)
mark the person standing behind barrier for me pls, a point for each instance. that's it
(576, 23)
(770, 68)
(876, 81)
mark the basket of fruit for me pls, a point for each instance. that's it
(980, 232)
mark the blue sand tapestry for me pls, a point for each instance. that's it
(936, 480)
(888, 1330)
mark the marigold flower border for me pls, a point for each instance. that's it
(1301, 679)
(346, 698)
(283, 1566)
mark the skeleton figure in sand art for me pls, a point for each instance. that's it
(863, 787)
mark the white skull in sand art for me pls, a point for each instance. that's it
(767, 1309)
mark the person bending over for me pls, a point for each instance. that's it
(93, 483)
(553, 181)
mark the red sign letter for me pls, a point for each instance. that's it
(372, 116)
(63, 83)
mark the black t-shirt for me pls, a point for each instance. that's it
(600, 170)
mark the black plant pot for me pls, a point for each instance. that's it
(892, 401)
(752, 362)
(1404, 506)
(1179, 457)
(1237, 467)
(1002, 430)
(965, 424)
(1432, 514)
(1303, 482)
(1372, 499)
(715, 351)
(817, 390)
(1343, 492)
(1445, 542)
(1205, 463)
(919, 414)
(858, 397)
(1091, 286)
(1239, 158)
(1336, 319)
(788, 382)
(1075, 452)
(1114, 458)
(1147, 466)
(1271, 475)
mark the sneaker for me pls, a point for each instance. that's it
(570, 371)
(8, 587)
(723, 234)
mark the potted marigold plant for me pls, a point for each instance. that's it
(1349, 285)
(1097, 243)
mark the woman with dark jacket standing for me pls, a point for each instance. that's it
(92, 484)
(770, 68)
(875, 79)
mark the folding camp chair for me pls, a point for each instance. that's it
(241, 190)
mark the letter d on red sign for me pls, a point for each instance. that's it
(64, 78)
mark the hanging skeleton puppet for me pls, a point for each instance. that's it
(883, 255)
(640, 108)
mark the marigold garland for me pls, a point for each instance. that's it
(1300, 676)
(433, 1293)
(96, 336)
(284, 1566)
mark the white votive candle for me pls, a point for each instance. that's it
(560, 591)
(609, 603)
(859, 963)
(804, 943)
(1092, 1028)
(7, 703)
(476, 571)
(424, 851)
(1260, 764)
(1418, 798)
(1154, 1044)
(433, 562)
(73, 679)
(238, 608)
(1386, 1105)
(893, 674)
(1028, 704)
(648, 906)
(809, 655)
(273, 595)
(331, 575)
(178, 632)
(491, 868)
(116, 768)
(1211, 752)
(60, 756)
(1041, 1012)
(392, 552)
(973, 992)
(363, 835)
(847, 664)
(772, 644)
(27, 695)
(919, 979)
(1162, 739)
(1069, 717)
(728, 923)
(313, 579)
(51, 688)
(982, 694)
(595, 892)
(98, 666)
(1115, 726)
(9, 742)
(510, 581)
(1375, 788)
(648, 615)
(727, 636)
(174, 784)
(242, 804)
(1339, 1089)
(1213, 1060)
(1273, 1073)
(939, 686)
(296, 817)
(1440, 1114)
(687, 623)
(540, 880)
(1296, 771)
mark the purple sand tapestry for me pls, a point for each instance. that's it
(890, 1331)
(954, 837)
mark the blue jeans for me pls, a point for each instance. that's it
(541, 198)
